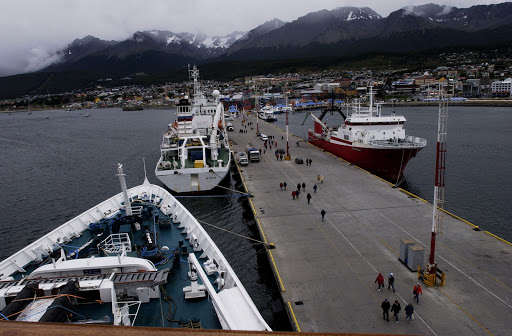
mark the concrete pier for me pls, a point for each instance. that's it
(326, 270)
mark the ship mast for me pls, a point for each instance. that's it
(194, 74)
(127, 202)
(437, 216)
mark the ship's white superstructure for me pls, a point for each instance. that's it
(195, 153)
(267, 113)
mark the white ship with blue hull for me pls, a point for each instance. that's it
(195, 154)
(137, 259)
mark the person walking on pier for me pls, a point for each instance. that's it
(293, 194)
(380, 281)
(281, 185)
(303, 186)
(297, 193)
(314, 188)
(309, 197)
(323, 214)
(409, 310)
(284, 185)
(298, 186)
(385, 309)
(417, 291)
(391, 282)
(395, 309)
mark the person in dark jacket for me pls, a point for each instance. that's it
(385, 309)
(409, 310)
(391, 282)
(308, 197)
(323, 214)
(395, 309)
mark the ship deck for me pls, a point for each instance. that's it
(189, 162)
(172, 310)
(326, 270)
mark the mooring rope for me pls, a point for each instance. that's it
(268, 245)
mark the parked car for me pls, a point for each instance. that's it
(299, 160)
(263, 137)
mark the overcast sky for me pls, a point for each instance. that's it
(32, 30)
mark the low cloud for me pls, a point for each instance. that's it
(33, 31)
(40, 57)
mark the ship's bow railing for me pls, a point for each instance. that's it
(408, 142)
(117, 243)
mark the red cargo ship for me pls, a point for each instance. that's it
(370, 141)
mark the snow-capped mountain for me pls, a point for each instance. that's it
(339, 32)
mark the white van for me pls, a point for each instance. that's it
(242, 159)
(263, 137)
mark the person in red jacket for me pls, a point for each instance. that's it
(380, 281)
(417, 291)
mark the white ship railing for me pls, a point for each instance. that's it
(116, 243)
(52, 241)
(409, 142)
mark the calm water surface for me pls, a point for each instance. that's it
(54, 169)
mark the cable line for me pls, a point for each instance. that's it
(267, 245)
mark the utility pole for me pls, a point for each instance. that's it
(257, 108)
(287, 146)
(437, 215)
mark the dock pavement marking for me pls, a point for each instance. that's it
(396, 225)
(265, 239)
(293, 316)
(465, 312)
(369, 263)
(445, 260)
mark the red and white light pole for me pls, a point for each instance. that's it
(437, 216)
(287, 147)
(257, 117)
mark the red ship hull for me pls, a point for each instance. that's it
(387, 163)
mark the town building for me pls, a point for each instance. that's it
(502, 88)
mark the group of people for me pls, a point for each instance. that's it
(396, 308)
(308, 162)
(278, 156)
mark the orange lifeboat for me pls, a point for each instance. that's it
(220, 124)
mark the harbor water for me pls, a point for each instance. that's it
(478, 159)
(55, 168)
(57, 164)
